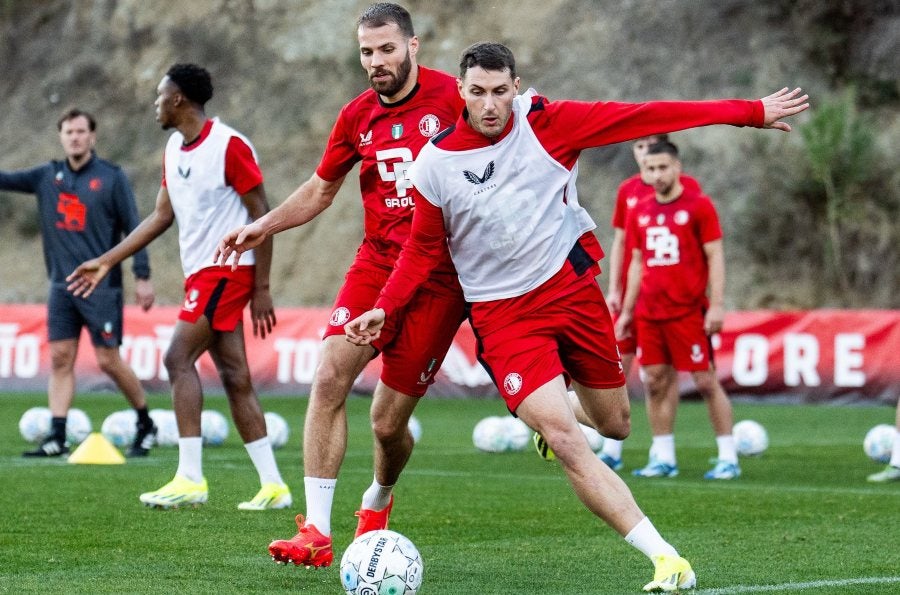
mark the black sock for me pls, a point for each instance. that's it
(58, 429)
(143, 417)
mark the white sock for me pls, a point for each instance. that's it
(612, 448)
(263, 458)
(895, 453)
(190, 458)
(377, 497)
(647, 539)
(319, 498)
(663, 449)
(727, 449)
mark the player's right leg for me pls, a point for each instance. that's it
(324, 445)
(60, 393)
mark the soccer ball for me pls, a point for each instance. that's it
(750, 438)
(166, 427)
(277, 429)
(490, 435)
(213, 428)
(78, 426)
(381, 563)
(415, 428)
(120, 427)
(517, 433)
(879, 442)
(34, 425)
(594, 438)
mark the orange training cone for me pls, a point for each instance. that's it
(96, 450)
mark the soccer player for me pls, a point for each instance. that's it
(499, 188)
(211, 182)
(892, 471)
(676, 248)
(630, 191)
(383, 129)
(85, 205)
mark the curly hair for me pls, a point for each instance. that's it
(194, 82)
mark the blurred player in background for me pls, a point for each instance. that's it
(499, 188)
(630, 191)
(211, 182)
(85, 205)
(676, 253)
(892, 471)
(383, 129)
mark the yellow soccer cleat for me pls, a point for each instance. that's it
(543, 449)
(269, 496)
(181, 491)
(672, 574)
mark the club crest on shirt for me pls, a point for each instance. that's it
(95, 184)
(107, 332)
(696, 353)
(681, 217)
(512, 383)
(429, 125)
(339, 317)
(396, 131)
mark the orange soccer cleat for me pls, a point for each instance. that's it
(373, 520)
(308, 547)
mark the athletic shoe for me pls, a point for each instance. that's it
(672, 573)
(373, 520)
(889, 474)
(51, 447)
(723, 470)
(611, 462)
(269, 496)
(543, 449)
(656, 468)
(144, 439)
(308, 547)
(181, 491)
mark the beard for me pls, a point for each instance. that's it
(395, 84)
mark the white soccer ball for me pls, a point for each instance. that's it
(213, 428)
(166, 427)
(415, 428)
(78, 426)
(120, 427)
(381, 563)
(34, 425)
(750, 438)
(490, 435)
(277, 428)
(594, 438)
(518, 434)
(879, 442)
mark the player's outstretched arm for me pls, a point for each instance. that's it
(303, 205)
(782, 104)
(366, 327)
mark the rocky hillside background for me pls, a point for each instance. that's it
(811, 218)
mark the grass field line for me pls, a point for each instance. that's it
(823, 584)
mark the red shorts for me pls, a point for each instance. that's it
(681, 342)
(414, 340)
(219, 294)
(628, 345)
(572, 335)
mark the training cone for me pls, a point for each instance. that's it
(96, 450)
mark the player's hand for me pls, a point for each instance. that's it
(144, 294)
(237, 241)
(262, 312)
(86, 277)
(623, 325)
(366, 327)
(712, 322)
(614, 301)
(782, 104)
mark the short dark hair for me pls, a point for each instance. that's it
(385, 13)
(659, 137)
(489, 55)
(194, 82)
(663, 147)
(72, 113)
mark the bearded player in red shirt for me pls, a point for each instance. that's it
(676, 246)
(631, 190)
(383, 128)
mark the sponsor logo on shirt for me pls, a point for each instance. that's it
(475, 179)
(660, 219)
(512, 383)
(73, 211)
(643, 220)
(184, 173)
(429, 125)
(365, 139)
(425, 376)
(631, 201)
(396, 131)
(340, 317)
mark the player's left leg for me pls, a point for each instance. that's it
(229, 353)
(722, 419)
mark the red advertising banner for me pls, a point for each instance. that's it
(803, 356)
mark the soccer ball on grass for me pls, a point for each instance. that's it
(490, 435)
(750, 438)
(78, 426)
(879, 442)
(277, 429)
(381, 563)
(34, 425)
(120, 427)
(213, 428)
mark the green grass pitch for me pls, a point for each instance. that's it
(802, 519)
